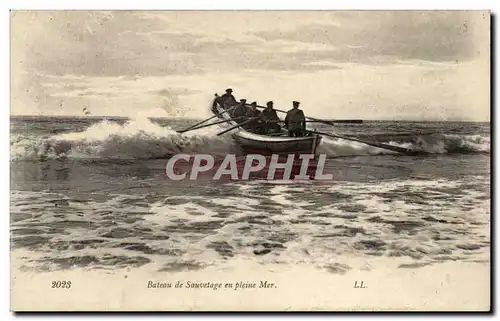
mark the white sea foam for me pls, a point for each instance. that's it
(143, 139)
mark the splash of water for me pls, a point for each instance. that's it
(142, 139)
(136, 139)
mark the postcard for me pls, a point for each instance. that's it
(250, 161)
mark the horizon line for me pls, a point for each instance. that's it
(326, 119)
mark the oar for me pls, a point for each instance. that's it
(328, 121)
(379, 145)
(243, 123)
(204, 121)
(311, 118)
(340, 121)
(207, 125)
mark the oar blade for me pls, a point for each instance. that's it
(374, 144)
(391, 147)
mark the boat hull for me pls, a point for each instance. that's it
(258, 144)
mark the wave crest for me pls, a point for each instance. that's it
(143, 139)
(136, 139)
(428, 144)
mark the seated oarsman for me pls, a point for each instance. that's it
(255, 125)
(253, 111)
(240, 111)
(270, 119)
(295, 121)
(227, 100)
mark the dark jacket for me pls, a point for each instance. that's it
(269, 114)
(253, 113)
(295, 119)
(227, 100)
(255, 125)
(239, 111)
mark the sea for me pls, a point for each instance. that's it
(91, 193)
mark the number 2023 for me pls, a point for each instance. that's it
(61, 284)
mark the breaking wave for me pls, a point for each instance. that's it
(136, 139)
(143, 139)
(429, 144)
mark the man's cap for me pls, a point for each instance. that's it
(296, 102)
(228, 90)
(269, 102)
(243, 100)
(254, 103)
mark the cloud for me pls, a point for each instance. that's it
(360, 36)
(230, 55)
(135, 44)
(97, 44)
(125, 62)
(167, 92)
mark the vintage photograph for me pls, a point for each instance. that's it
(250, 160)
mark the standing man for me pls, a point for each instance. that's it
(227, 100)
(295, 121)
(271, 119)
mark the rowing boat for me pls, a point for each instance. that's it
(264, 144)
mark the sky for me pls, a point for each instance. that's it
(372, 65)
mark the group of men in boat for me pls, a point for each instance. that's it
(266, 122)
